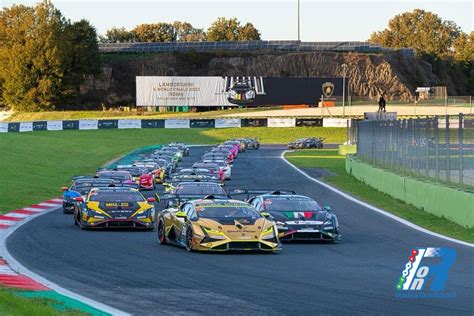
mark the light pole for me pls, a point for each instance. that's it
(298, 20)
(344, 69)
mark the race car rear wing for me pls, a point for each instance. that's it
(119, 185)
(252, 193)
(84, 177)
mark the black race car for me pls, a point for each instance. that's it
(307, 143)
(241, 93)
(298, 217)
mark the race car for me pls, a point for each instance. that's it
(218, 166)
(118, 207)
(184, 148)
(119, 176)
(141, 175)
(81, 187)
(241, 146)
(212, 224)
(156, 168)
(303, 143)
(298, 217)
(241, 93)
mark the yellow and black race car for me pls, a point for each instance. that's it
(212, 224)
(114, 207)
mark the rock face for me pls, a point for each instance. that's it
(369, 75)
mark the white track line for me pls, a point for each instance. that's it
(16, 266)
(373, 208)
(48, 204)
(7, 222)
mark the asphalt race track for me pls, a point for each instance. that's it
(131, 271)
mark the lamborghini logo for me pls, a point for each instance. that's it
(328, 89)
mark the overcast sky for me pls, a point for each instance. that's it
(327, 20)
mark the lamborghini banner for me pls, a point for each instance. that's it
(226, 91)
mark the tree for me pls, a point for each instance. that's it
(32, 56)
(185, 32)
(249, 33)
(230, 30)
(157, 32)
(43, 56)
(83, 56)
(117, 35)
(421, 30)
(464, 48)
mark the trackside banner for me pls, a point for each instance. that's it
(228, 91)
(6, 127)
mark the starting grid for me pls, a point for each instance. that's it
(8, 127)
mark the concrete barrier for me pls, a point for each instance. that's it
(434, 198)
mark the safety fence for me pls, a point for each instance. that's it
(438, 148)
(6, 127)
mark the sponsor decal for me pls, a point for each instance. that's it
(309, 122)
(426, 273)
(55, 125)
(40, 126)
(153, 123)
(102, 124)
(328, 89)
(202, 123)
(177, 123)
(26, 126)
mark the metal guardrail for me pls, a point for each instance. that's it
(162, 47)
(441, 149)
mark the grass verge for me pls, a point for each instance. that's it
(329, 160)
(33, 166)
(75, 115)
(12, 304)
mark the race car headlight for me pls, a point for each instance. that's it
(281, 225)
(329, 224)
(213, 233)
(268, 233)
(233, 94)
(250, 94)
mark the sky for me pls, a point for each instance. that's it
(320, 20)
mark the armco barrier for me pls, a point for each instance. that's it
(6, 127)
(433, 198)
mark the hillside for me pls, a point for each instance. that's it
(370, 74)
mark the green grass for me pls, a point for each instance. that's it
(351, 185)
(33, 166)
(14, 305)
(75, 115)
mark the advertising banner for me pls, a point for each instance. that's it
(281, 122)
(227, 123)
(177, 123)
(260, 122)
(153, 123)
(107, 124)
(40, 126)
(209, 123)
(129, 124)
(300, 122)
(13, 127)
(55, 125)
(69, 125)
(88, 124)
(3, 127)
(26, 126)
(335, 122)
(237, 91)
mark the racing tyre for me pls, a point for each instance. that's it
(189, 239)
(161, 233)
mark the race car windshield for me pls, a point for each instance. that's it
(200, 190)
(116, 197)
(115, 175)
(217, 211)
(290, 205)
(84, 187)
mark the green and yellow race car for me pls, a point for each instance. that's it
(213, 224)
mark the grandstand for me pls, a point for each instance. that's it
(245, 46)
